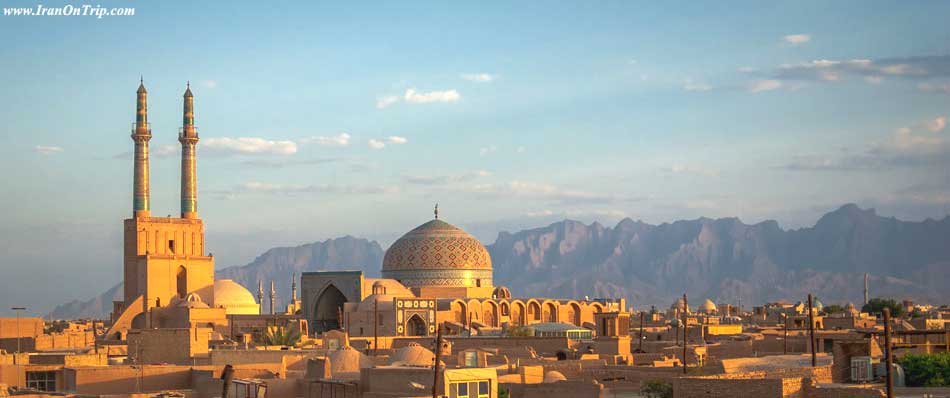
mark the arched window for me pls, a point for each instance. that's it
(182, 281)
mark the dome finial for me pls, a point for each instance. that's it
(436, 211)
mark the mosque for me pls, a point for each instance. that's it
(434, 275)
(168, 276)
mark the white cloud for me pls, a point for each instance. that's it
(447, 179)
(376, 144)
(872, 70)
(385, 101)
(521, 149)
(540, 213)
(47, 149)
(697, 170)
(759, 86)
(165, 150)
(938, 88)
(479, 77)
(797, 39)
(395, 139)
(546, 192)
(342, 139)
(415, 97)
(249, 145)
(937, 124)
(210, 83)
(487, 150)
(874, 79)
(747, 69)
(289, 189)
(690, 85)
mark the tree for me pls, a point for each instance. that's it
(832, 309)
(926, 370)
(877, 305)
(520, 331)
(279, 335)
(657, 389)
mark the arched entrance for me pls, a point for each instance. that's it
(534, 312)
(327, 311)
(574, 314)
(415, 326)
(459, 310)
(181, 282)
(550, 312)
(517, 313)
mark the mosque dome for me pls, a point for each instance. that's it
(678, 305)
(348, 360)
(553, 376)
(412, 355)
(708, 307)
(438, 254)
(191, 301)
(234, 298)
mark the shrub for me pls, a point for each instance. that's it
(926, 370)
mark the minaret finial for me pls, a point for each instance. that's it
(141, 79)
(436, 211)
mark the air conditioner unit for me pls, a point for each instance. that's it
(862, 369)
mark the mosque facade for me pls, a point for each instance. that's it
(435, 275)
(168, 276)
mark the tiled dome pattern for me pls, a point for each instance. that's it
(436, 245)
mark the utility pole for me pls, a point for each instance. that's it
(640, 345)
(435, 366)
(887, 352)
(685, 329)
(17, 309)
(811, 333)
(785, 340)
(375, 326)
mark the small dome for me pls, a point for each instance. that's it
(553, 376)
(709, 307)
(234, 298)
(412, 355)
(348, 360)
(678, 304)
(192, 301)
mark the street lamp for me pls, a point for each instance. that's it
(18, 309)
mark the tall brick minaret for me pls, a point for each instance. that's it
(188, 137)
(141, 134)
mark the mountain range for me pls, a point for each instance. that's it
(721, 259)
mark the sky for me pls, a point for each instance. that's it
(320, 119)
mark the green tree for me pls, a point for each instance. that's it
(520, 331)
(279, 335)
(657, 389)
(832, 309)
(877, 305)
(926, 370)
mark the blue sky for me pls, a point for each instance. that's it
(321, 120)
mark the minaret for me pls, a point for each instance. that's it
(293, 289)
(141, 134)
(273, 297)
(866, 300)
(260, 295)
(188, 137)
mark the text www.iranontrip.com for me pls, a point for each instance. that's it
(68, 10)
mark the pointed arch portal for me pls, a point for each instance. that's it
(326, 312)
